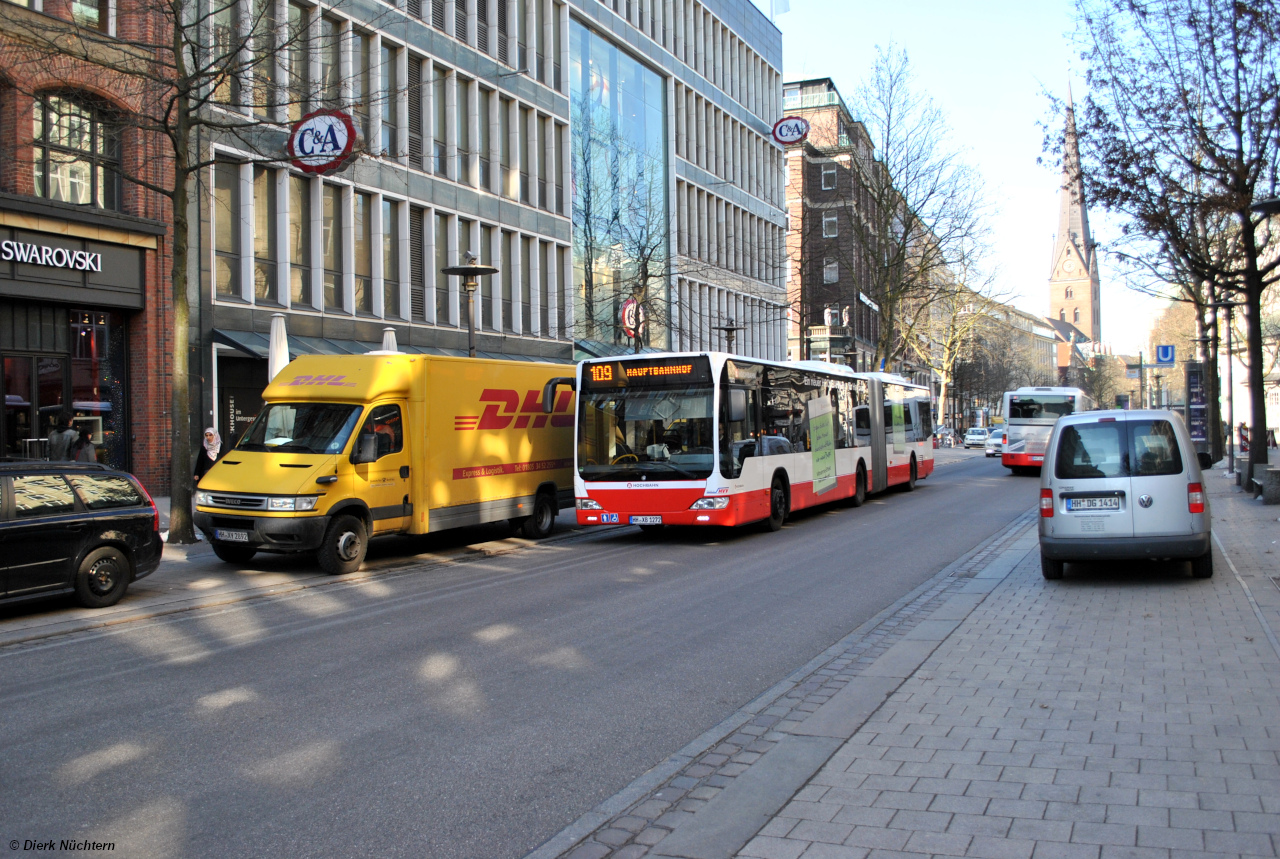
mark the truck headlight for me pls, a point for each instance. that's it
(588, 504)
(710, 503)
(299, 502)
(203, 499)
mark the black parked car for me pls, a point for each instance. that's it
(74, 527)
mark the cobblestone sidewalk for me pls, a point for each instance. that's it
(1124, 711)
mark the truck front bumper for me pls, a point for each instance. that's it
(265, 533)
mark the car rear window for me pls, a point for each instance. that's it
(1154, 448)
(42, 495)
(1092, 451)
(106, 491)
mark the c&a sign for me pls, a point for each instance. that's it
(322, 142)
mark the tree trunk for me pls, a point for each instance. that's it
(181, 527)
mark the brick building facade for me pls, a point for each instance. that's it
(85, 311)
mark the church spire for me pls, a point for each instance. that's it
(1073, 216)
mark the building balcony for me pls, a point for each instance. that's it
(815, 99)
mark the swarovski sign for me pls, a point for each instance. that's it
(11, 251)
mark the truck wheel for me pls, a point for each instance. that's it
(543, 521)
(102, 578)
(344, 546)
(1202, 567)
(232, 553)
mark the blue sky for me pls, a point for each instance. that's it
(987, 64)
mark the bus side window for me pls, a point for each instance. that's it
(741, 438)
(862, 425)
(926, 416)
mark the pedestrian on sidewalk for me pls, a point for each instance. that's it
(84, 450)
(61, 437)
(211, 453)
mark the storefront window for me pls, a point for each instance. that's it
(618, 129)
(98, 366)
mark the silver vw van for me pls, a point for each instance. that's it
(1123, 485)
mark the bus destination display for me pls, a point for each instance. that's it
(630, 374)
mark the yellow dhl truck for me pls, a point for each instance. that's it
(356, 446)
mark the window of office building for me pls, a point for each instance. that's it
(331, 245)
(830, 270)
(617, 105)
(264, 234)
(440, 112)
(483, 144)
(390, 260)
(297, 65)
(388, 100)
(262, 46)
(828, 177)
(463, 124)
(76, 152)
(830, 225)
(359, 84)
(299, 240)
(362, 226)
(226, 228)
(442, 261)
(91, 14)
(329, 47)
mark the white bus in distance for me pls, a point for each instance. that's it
(1029, 415)
(709, 438)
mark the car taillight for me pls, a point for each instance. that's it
(1195, 497)
(1046, 503)
(155, 511)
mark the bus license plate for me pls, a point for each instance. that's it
(231, 536)
(1093, 503)
(646, 520)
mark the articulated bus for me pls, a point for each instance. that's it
(715, 439)
(1029, 415)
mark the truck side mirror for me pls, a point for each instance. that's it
(736, 405)
(366, 449)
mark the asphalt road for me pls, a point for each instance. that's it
(467, 710)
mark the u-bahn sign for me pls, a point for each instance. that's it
(791, 129)
(322, 142)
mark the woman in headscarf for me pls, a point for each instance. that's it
(207, 457)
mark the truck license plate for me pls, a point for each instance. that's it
(1112, 503)
(646, 520)
(231, 536)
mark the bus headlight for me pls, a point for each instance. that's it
(710, 504)
(299, 502)
(588, 504)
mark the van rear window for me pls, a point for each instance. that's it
(1155, 448)
(1092, 451)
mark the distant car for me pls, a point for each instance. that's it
(78, 528)
(1123, 485)
(975, 437)
(995, 442)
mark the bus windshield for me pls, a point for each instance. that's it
(653, 434)
(301, 428)
(1044, 407)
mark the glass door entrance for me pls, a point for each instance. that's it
(35, 388)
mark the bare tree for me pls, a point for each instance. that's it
(922, 212)
(193, 70)
(1181, 135)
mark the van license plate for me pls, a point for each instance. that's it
(1112, 503)
(231, 536)
(646, 520)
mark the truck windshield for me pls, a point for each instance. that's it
(653, 434)
(301, 428)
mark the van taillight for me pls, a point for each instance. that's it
(1046, 503)
(1195, 497)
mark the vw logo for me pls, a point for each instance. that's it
(1144, 501)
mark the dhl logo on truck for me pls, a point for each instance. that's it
(332, 381)
(505, 407)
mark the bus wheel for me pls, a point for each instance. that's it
(777, 504)
(860, 487)
(344, 546)
(911, 480)
(540, 524)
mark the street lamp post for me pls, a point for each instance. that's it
(730, 329)
(469, 273)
